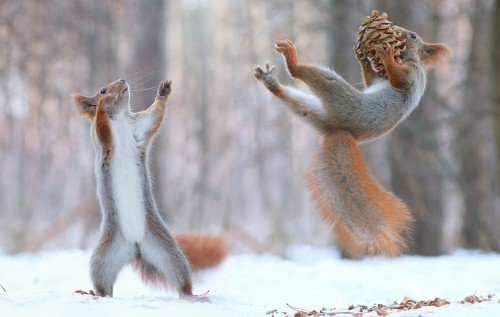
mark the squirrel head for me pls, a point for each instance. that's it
(115, 95)
(431, 54)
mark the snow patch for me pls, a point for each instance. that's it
(42, 284)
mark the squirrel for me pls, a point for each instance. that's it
(132, 230)
(366, 219)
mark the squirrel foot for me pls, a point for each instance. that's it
(164, 89)
(267, 76)
(196, 298)
(287, 48)
(384, 51)
(81, 292)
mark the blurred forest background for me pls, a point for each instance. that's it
(229, 158)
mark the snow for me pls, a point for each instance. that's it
(42, 284)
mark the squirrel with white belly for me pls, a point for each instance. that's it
(366, 219)
(132, 230)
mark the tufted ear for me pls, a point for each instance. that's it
(86, 106)
(434, 54)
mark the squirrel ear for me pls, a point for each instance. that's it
(435, 53)
(85, 105)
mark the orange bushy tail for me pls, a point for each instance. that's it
(365, 218)
(203, 250)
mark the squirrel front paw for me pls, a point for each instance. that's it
(287, 48)
(359, 56)
(268, 77)
(164, 89)
(383, 51)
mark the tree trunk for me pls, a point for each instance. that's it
(474, 171)
(415, 173)
(495, 51)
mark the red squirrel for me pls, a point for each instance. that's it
(132, 230)
(365, 217)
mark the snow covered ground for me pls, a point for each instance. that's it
(42, 284)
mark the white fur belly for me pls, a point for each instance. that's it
(379, 85)
(126, 182)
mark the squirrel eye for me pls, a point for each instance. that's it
(413, 36)
(103, 91)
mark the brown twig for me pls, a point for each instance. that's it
(322, 312)
(383, 310)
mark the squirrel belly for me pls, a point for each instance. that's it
(365, 218)
(381, 109)
(127, 181)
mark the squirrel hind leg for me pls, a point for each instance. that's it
(148, 272)
(109, 257)
(162, 262)
(366, 219)
(346, 240)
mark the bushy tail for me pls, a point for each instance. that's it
(365, 218)
(203, 250)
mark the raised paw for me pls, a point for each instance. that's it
(267, 76)
(287, 48)
(360, 56)
(164, 89)
(383, 50)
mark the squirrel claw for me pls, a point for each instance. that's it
(285, 47)
(164, 88)
(383, 50)
(91, 292)
(359, 56)
(267, 76)
(261, 74)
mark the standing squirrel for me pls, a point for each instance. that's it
(365, 218)
(132, 229)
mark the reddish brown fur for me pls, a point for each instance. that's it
(390, 213)
(396, 73)
(85, 105)
(203, 250)
(149, 273)
(435, 53)
(105, 240)
(288, 50)
(103, 128)
(153, 225)
(278, 91)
